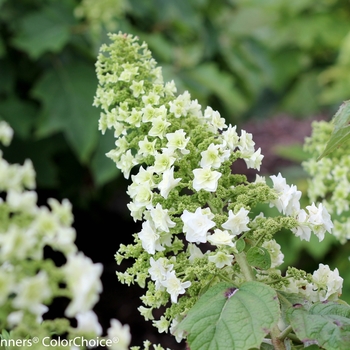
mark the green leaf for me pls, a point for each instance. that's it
(326, 324)
(226, 317)
(259, 257)
(341, 131)
(240, 245)
(45, 30)
(104, 169)
(20, 114)
(66, 93)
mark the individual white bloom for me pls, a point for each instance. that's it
(135, 118)
(217, 121)
(230, 137)
(120, 332)
(135, 211)
(15, 318)
(174, 286)
(274, 250)
(279, 182)
(161, 218)
(151, 99)
(206, 179)
(88, 322)
(129, 72)
(303, 229)
(144, 176)
(246, 143)
(194, 252)
(211, 157)
(159, 127)
(328, 283)
(27, 174)
(179, 106)
(177, 140)
(220, 259)
(22, 201)
(32, 292)
(63, 211)
(220, 238)
(17, 242)
(197, 225)
(254, 160)
(320, 220)
(288, 196)
(6, 133)
(146, 312)
(149, 238)
(83, 280)
(137, 88)
(123, 112)
(142, 195)
(168, 182)
(63, 240)
(45, 222)
(178, 334)
(162, 324)
(237, 223)
(170, 88)
(158, 271)
(119, 130)
(163, 161)
(126, 163)
(102, 123)
(214, 119)
(259, 179)
(147, 148)
(195, 109)
(150, 113)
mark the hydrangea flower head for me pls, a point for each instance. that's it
(195, 209)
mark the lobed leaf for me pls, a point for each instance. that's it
(64, 92)
(325, 324)
(226, 317)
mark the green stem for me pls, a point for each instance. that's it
(245, 267)
(278, 344)
(248, 274)
(285, 332)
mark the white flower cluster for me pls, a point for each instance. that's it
(329, 178)
(29, 281)
(316, 220)
(325, 284)
(180, 160)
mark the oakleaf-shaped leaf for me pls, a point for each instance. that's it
(66, 93)
(326, 324)
(45, 30)
(226, 317)
(341, 131)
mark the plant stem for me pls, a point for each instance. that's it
(245, 267)
(248, 273)
(278, 344)
(285, 332)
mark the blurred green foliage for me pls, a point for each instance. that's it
(242, 57)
